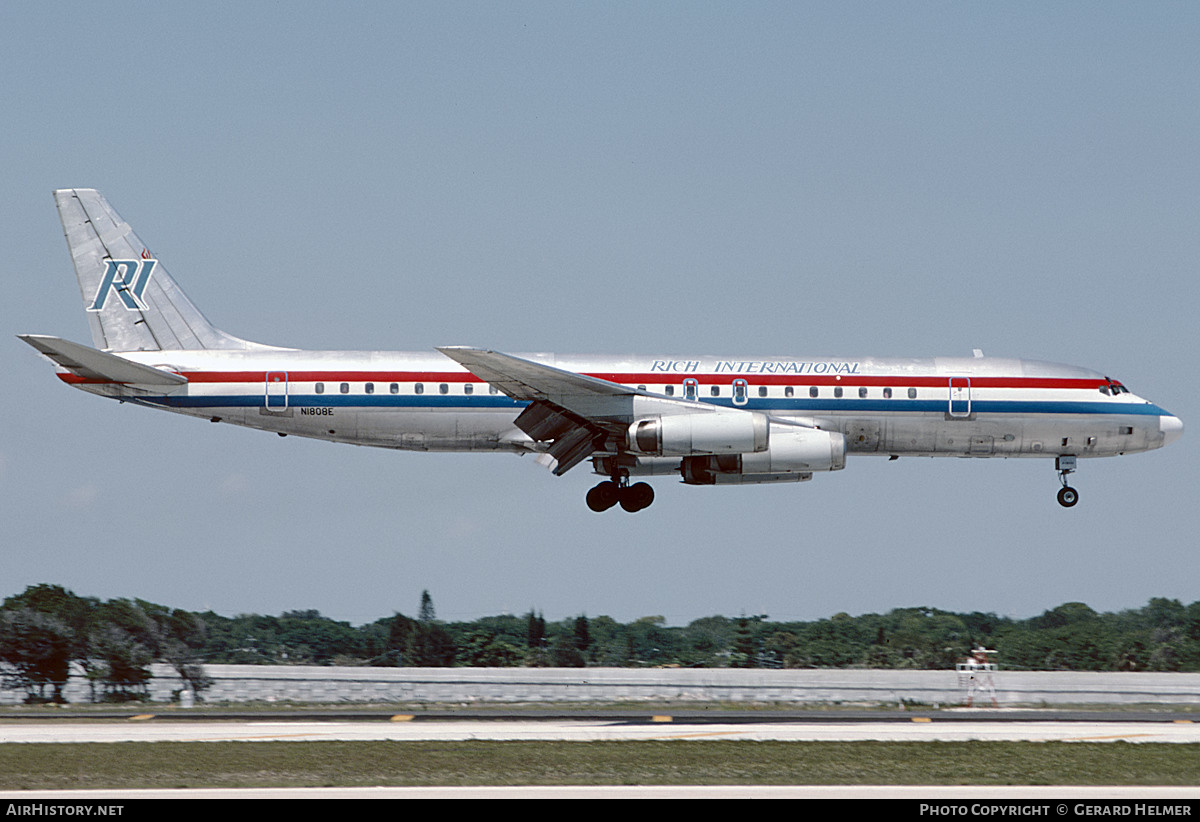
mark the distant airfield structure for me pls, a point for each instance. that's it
(234, 684)
(976, 675)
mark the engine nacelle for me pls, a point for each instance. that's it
(609, 466)
(794, 454)
(714, 432)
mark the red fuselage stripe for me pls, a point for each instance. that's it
(897, 381)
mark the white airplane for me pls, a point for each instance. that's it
(709, 420)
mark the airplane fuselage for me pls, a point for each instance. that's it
(966, 407)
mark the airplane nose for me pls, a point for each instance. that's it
(1171, 427)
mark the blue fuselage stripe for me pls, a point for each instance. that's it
(789, 407)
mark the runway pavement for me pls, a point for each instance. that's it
(823, 726)
(665, 727)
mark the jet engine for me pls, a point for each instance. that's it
(793, 455)
(701, 433)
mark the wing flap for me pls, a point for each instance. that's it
(543, 422)
(574, 447)
(573, 438)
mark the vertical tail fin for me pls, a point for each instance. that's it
(132, 303)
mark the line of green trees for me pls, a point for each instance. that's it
(46, 629)
(1162, 636)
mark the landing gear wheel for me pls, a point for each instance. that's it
(1067, 496)
(1065, 464)
(636, 497)
(604, 496)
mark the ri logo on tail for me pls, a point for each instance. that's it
(128, 278)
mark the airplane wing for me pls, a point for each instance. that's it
(92, 364)
(529, 381)
(571, 411)
(575, 413)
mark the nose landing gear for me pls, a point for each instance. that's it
(1067, 496)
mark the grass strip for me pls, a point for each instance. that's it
(677, 762)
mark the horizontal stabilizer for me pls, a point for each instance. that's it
(91, 364)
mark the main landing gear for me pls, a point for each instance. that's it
(1067, 496)
(632, 498)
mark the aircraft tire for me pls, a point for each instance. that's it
(1067, 496)
(603, 496)
(636, 497)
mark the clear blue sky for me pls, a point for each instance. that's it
(744, 179)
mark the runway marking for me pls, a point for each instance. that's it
(244, 738)
(697, 735)
(311, 731)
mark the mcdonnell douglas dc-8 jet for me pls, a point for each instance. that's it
(708, 420)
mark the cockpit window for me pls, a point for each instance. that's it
(1113, 387)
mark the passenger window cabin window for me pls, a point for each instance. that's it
(837, 392)
(641, 388)
(912, 393)
(345, 388)
(789, 391)
(715, 391)
(762, 391)
(887, 393)
(320, 388)
(862, 393)
(468, 388)
(370, 388)
(814, 391)
(419, 388)
(443, 389)
(395, 388)
(669, 390)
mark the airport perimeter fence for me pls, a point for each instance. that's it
(234, 684)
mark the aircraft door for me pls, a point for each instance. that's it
(960, 396)
(276, 398)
